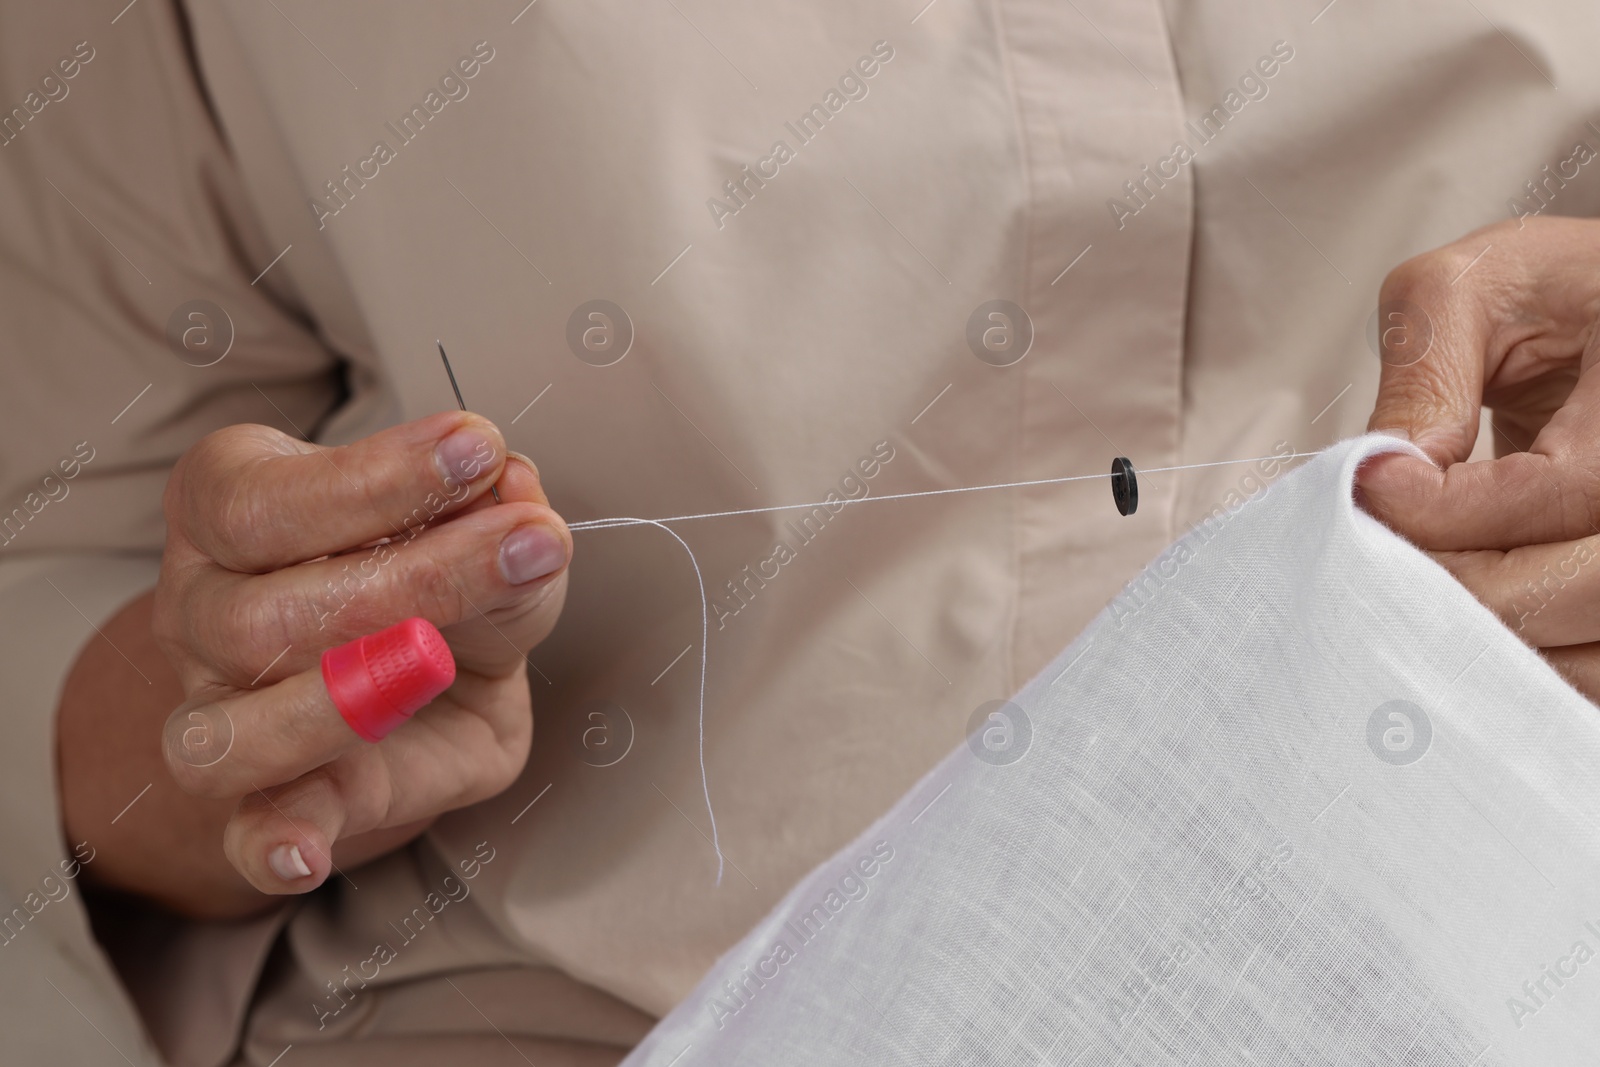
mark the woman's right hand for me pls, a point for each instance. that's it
(278, 550)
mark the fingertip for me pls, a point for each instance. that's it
(472, 451)
(485, 425)
(1444, 447)
(1387, 479)
(298, 862)
(287, 862)
(1377, 471)
(277, 855)
(441, 424)
(1397, 432)
(519, 480)
(1434, 415)
(1438, 444)
(534, 551)
(518, 456)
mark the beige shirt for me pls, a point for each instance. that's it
(803, 213)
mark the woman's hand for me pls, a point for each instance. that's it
(276, 551)
(1512, 328)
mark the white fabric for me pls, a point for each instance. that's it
(1206, 854)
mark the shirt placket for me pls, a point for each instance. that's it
(1099, 110)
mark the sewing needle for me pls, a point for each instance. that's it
(457, 389)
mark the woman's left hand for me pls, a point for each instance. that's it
(1504, 318)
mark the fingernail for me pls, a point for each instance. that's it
(464, 455)
(510, 454)
(530, 552)
(287, 863)
(1396, 432)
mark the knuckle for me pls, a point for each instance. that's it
(1420, 273)
(435, 592)
(1582, 505)
(207, 461)
(211, 496)
(512, 755)
(1423, 392)
(247, 631)
(255, 805)
(1434, 271)
(233, 514)
(1503, 226)
(490, 778)
(493, 760)
(512, 742)
(293, 735)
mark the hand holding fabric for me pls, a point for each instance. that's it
(1504, 318)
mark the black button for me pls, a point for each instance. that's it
(1124, 485)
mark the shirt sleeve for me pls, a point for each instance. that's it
(139, 314)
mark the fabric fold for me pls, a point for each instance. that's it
(1310, 803)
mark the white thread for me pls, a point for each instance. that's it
(606, 524)
(705, 606)
(705, 640)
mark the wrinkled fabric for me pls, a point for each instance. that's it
(1304, 801)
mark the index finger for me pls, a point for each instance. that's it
(1483, 320)
(1548, 494)
(255, 500)
(1431, 343)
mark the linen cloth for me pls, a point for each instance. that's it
(1306, 802)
